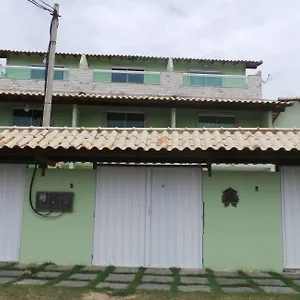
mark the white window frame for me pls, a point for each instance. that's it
(126, 112)
(216, 115)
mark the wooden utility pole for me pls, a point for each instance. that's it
(50, 68)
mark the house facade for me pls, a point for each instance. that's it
(149, 161)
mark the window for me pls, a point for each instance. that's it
(40, 73)
(127, 77)
(216, 121)
(32, 117)
(116, 119)
(206, 80)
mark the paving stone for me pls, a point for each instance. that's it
(240, 289)
(157, 271)
(25, 266)
(10, 273)
(157, 278)
(267, 282)
(5, 263)
(73, 283)
(230, 281)
(194, 288)
(258, 274)
(154, 287)
(226, 274)
(291, 275)
(94, 268)
(193, 272)
(6, 279)
(58, 268)
(194, 280)
(297, 282)
(120, 277)
(278, 289)
(125, 270)
(32, 282)
(48, 274)
(84, 276)
(112, 285)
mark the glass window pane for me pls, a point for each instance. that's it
(135, 120)
(135, 77)
(216, 121)
(118, 77)
(21, 117)
(58, 75)
(115, 119)
(37, 116)
(37, 73)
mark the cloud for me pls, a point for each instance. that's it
(234, 29)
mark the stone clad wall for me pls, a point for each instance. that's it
(81, 80)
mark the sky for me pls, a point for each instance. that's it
(267, 30)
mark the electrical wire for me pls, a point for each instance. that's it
(41, 6)
(51, 7)
(30, 199)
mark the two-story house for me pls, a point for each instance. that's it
(148, 153)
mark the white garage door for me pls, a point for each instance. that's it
(176, 218)
(120, 216)
(148, 217)
(12, 183)
(290, 184)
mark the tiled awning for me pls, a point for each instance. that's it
(89, 144)
(85, 98)
(150, 139)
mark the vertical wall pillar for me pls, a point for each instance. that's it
(74, 124)
(173, 117)
(170, 66)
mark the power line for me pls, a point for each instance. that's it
(42, 6)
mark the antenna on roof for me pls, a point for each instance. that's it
(268, 78)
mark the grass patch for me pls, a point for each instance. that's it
(176, 281)
(39, 293)
(251, 282)
(288, 281)
(65, 275)
(215, 286)
(10, 266)
(137, 280)
(101, 276)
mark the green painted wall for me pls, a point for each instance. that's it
(68, 239)
(28, 60)
(247, 237)
(61, 114)
(95, 116)
(148, 65)
(228, 69)
(246, 119)
(289, 118)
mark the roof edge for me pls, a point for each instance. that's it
(250, 64)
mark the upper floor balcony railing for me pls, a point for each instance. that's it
(32, 72)
(142, 77)
(215, 80)
(132, 82)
